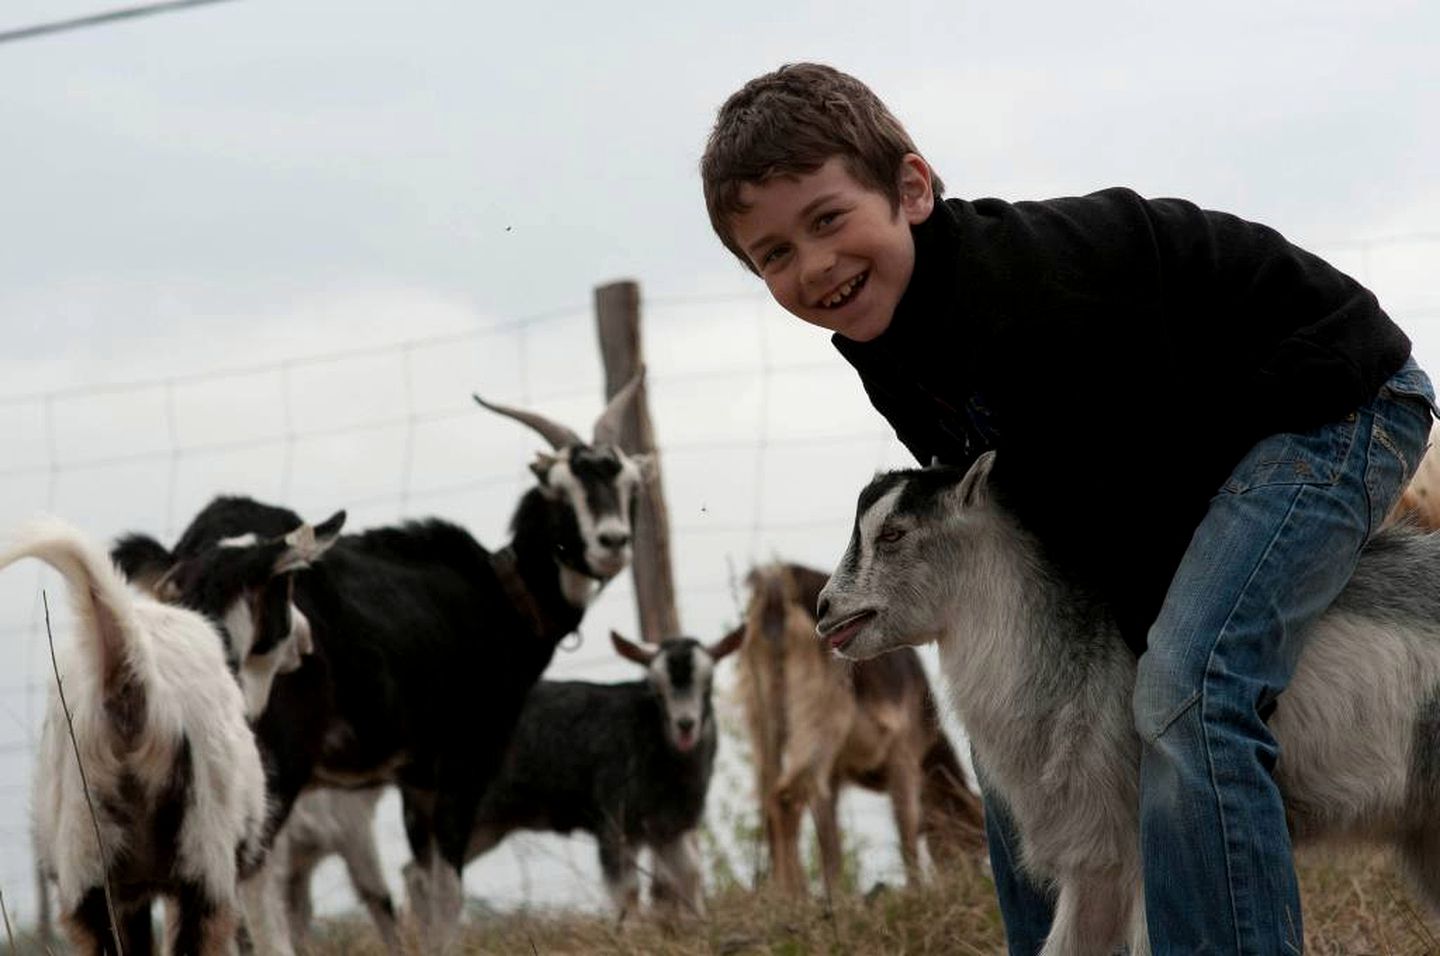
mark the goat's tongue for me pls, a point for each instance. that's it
(842, 634)
(685, 742)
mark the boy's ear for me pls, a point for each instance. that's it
(917, 196)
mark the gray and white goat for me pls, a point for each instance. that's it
(1043, 683)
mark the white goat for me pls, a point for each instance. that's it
(330, 820)
(1043, 684)
(171, 765)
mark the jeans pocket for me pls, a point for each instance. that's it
(1403, 415)
(1412, 385)
(1314, 457)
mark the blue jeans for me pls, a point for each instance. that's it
(1277, 545)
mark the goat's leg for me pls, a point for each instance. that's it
(1139, 930)
(677, 885)
(783, 814)
(264, 908)
(418, 807)
(1092, 915)
(456, 800)
(362, 862)
(825, 813)
(88, 925)
(88, 928)
(617, 864)
(1420, 857)
(201, 924)
(422, 898)
(137, 931)
(904, 779)
(299, 906)
(44, 923)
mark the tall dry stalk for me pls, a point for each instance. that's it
(84, 781)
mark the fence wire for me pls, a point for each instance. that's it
(764, 438)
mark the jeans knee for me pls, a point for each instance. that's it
(1161, 696)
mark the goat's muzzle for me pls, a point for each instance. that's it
(837, 631)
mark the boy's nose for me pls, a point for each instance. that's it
(817, 266)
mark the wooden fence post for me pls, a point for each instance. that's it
(617, 319)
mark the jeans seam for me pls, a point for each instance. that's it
(1175, 714)
(1205, 735)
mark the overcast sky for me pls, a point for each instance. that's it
(250, 182)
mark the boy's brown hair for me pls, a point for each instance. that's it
(790, 122)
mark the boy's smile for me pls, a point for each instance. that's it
(833, 251)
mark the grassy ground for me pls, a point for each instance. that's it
(1355, 903)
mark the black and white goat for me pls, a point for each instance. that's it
(421, 636)
(629, 763)
(234, 565)
(934, 556)
(167, 756)
(242, 582)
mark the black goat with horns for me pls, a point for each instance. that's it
(425, 643)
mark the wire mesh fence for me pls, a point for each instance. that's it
(755, 420)
(764, 439)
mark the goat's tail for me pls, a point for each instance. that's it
(101, 600)
(951, 818)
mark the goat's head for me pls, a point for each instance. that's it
(593, 486)
(681, 671)
(245, 585)
(914, 547)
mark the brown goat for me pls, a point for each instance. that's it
(817, 723)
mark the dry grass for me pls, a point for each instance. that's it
(1355, 902)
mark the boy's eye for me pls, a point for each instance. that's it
(773, 255)
(826, 219)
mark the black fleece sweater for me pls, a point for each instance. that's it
(1122, 355)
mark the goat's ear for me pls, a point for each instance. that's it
(540, 468)
(645, 462)
(166, 588)
(727, 645)
(633, 652)
(308, 543)
(974, 488)
(143, 560)
(329, 529)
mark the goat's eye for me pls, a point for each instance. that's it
(890, 535)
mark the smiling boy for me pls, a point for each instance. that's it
(1201, 422)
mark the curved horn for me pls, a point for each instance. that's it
(556, 434)
(607, 426)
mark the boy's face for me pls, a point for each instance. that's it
(832, 251)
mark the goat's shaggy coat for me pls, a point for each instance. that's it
(1043, 683)
(172, 767)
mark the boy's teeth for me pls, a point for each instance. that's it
(840, 294)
